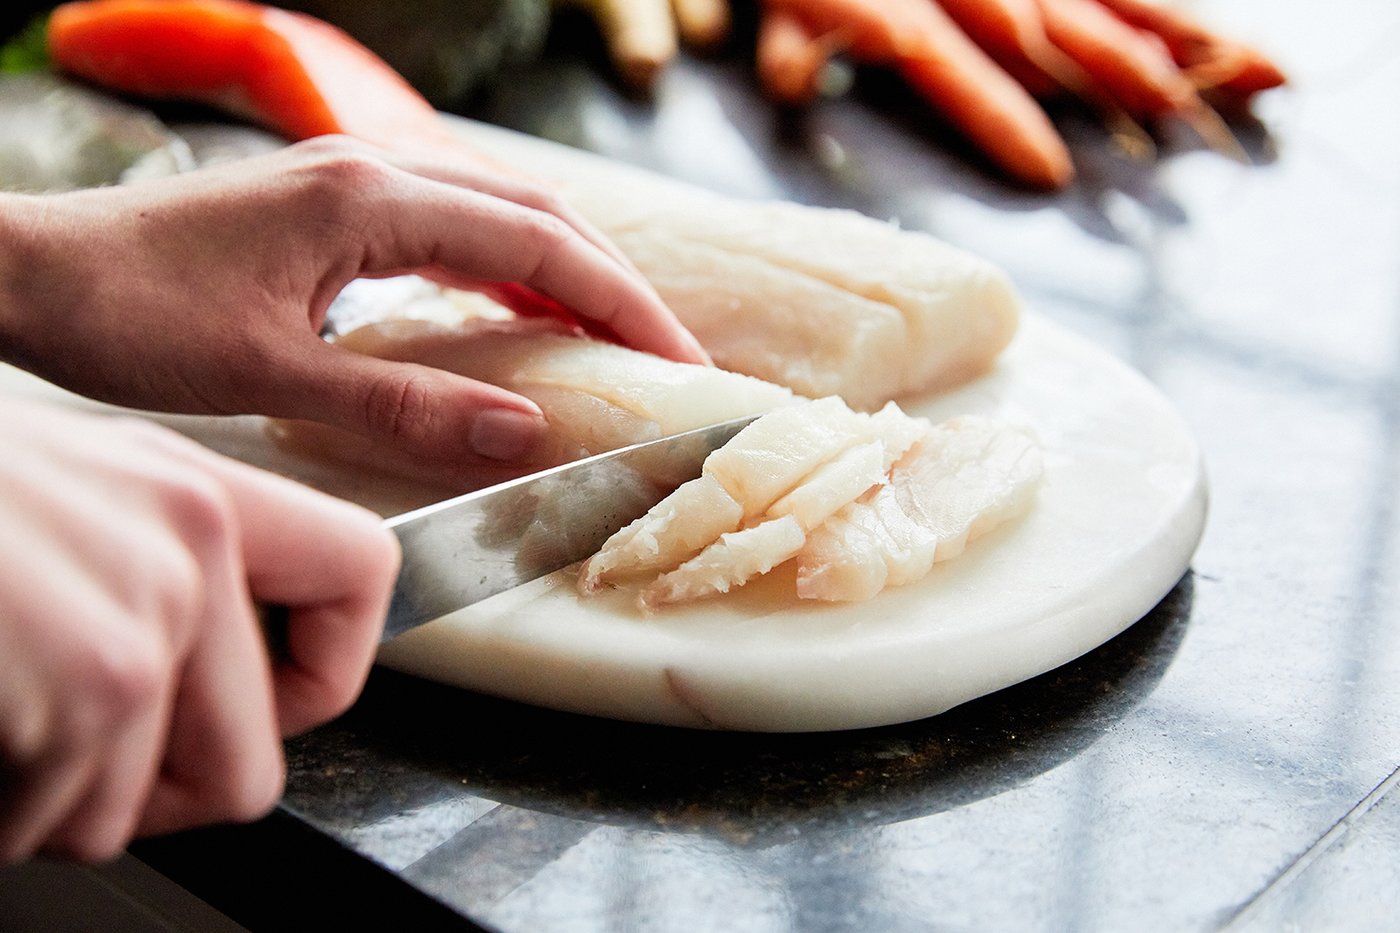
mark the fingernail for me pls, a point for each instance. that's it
(505, 433)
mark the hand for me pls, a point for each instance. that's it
(204, 293)
(136, 696)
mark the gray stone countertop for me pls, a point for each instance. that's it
(1228, 762)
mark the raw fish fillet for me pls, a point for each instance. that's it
(824, 301)
(595, 396)
(965, 477)
(860, 515)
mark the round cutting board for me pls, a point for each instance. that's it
(1113, 528)
(1118, 516)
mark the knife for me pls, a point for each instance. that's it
(462, 550)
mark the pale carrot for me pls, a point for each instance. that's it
(702, 23)
(943, 65)
(640, 36)
(1209, 59)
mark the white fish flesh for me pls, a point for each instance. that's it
(803, 462)
(595, 396)
(862, 515)
(824, 301)
(962, 479)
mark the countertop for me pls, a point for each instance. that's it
(1230, 762)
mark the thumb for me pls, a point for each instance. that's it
(417, 410)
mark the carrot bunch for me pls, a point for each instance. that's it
(984, 63)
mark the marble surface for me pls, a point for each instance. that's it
(1227, 763)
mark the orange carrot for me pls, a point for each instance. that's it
(1211, 60)
(1013, 32)
(944, 66)
(1133, 66)
(294, 74)
(790, 58)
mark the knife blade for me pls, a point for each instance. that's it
(460, 551)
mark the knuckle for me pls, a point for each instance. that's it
(339, 184)
(399, 407)
(545, 238)
(343, 175)
(546, 201)
(200, 507)
(550, 232)
(328, 146)
(121, 676)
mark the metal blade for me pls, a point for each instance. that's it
(462, 550)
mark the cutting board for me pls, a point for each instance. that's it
(1120, 512)
(1115, 523)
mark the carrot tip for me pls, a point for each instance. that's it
(1211, 127)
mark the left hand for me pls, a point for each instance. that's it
(204, 293)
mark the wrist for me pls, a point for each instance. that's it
(17, 256)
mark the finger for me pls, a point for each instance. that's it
(223, 758)
(333, 564)
(476, 236)
(428, 412)
(524, 192)
(105, 819)
(41, 803)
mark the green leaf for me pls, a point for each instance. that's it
(28, 50)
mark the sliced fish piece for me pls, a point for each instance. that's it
(964, 478)
(732, 560)
(823, 454)
(673, 531)
(773, 455)
(833, 484)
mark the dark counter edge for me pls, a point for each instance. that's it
(282, 873)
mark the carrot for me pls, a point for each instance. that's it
(640, 36)
(1013, 32)
(1212, 61)
(944, 66)
(790, 58)
(295, 75)
(1133, 66)
(702, 23)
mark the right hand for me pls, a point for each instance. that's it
(136, 694)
